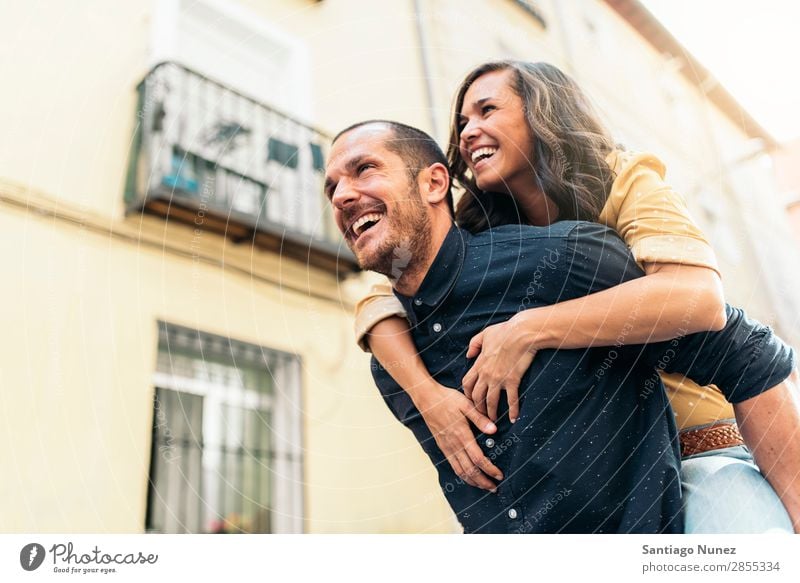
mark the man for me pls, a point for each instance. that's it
(594, 447)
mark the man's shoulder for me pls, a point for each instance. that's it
(558, 232)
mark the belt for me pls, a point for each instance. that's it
(716, 436)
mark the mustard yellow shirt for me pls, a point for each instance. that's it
(654, 222)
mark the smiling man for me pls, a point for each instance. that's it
(594, 448)
(383, 232)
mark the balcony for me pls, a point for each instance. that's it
(214, 159)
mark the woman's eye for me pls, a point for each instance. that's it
(487, 108)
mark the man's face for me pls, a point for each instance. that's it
(376, 205)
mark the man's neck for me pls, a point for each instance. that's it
(411, 279)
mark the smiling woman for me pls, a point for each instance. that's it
(545, 138)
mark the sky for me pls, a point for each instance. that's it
(752, 48)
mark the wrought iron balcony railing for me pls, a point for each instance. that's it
(210, 157)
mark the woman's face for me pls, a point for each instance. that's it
(495, 139)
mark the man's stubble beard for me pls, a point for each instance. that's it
(408, 246)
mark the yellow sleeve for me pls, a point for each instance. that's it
(380, 303)
(651, 217)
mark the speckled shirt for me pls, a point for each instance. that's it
(594, 448)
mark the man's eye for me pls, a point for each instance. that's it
(365, 167)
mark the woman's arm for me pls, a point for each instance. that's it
(446, 412)
(381, 326)
(671, 300)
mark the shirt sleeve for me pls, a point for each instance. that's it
(380, 303)
(651, 217)
(595, 259)
(744, 359)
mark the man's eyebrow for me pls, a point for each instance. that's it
(350, 166)
(355, 162)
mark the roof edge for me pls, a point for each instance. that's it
(655, 33)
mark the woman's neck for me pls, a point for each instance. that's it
(537, 207)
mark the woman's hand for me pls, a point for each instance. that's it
(448, 413)
(505, 351)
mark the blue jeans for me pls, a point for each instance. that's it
(724, 492)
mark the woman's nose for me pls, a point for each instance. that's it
(470, 130)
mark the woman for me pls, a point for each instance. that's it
(527, 148)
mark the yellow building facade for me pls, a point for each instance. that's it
(178, 352)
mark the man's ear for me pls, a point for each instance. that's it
(434, 183)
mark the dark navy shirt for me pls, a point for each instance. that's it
(594, 448)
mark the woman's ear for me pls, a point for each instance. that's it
(434, 183)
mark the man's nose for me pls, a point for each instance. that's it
(344, 195)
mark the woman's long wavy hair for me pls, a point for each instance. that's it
(568, 154)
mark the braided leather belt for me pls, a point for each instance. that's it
(717, 436)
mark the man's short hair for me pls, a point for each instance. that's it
(416, 148)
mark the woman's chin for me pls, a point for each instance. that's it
(489, 184)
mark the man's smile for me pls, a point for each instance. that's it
(365, 223)
(363, 220)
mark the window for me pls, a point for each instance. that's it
(232, 44)
(225, 453)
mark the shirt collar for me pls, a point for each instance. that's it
(442, 274)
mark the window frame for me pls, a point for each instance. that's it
(280, 399)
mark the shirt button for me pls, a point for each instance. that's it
(512, 514)
(418, 302)
(490, 442)
(437, 327)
